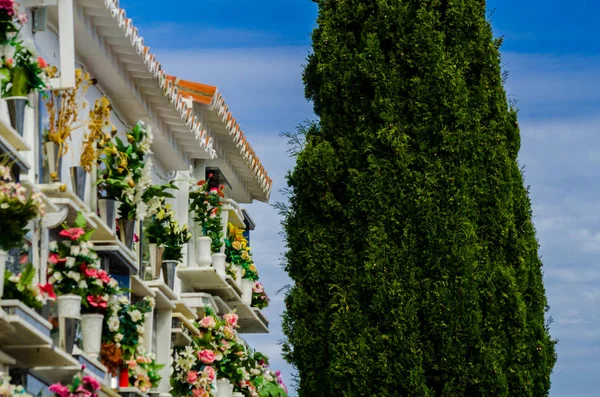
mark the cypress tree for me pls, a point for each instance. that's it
(410, 242)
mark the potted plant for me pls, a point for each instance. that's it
(10, 19)
(63, 112)
(260, 299)
(144, 372)
(207, 206)
(163, 230)
(81, 386)
(238, 253)
(123, 334)
(22, 288)
(17, 209)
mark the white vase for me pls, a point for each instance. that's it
(223, 388)
(203, 254)
(3, 259)
(231, 389)
(69, 306)
(237, 394)
(218, 262)
(239, 273)
(247, 291)
(91, 333)
(156, 254)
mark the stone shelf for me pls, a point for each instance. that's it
(199, 300)
(12, 137)
(140, 288)
(124, 258)
(13, 154)
(164, 295)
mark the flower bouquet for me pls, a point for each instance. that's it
(259, 296)
(143, 372)
(21, 287)
(262, 382)
(238, 254)
(164, 231)
(81, 386)
(206, 202)
(9, 390)
(10, 19)
(16, 211)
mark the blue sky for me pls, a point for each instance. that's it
(254, 51)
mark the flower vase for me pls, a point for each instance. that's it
(223, 388)
(218, 263)
(91, 333)
(156, 254)
(168, 272)
(3, 259)
(124, 377)
(239, 274)
(54, 160)
(127, 231)
(230, 389)
(16, 111)
(247, 291)
(203, 255)
(78, 177)
(107, 210)
(69, 306)
(237, 394)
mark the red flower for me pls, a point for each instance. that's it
(97, 301)
(73, 233)
(41, 63)
(202, 182)
(47, 290)
(55, 259)
(88, 271)
(9, 62)
(102, 275)
(136, 238)
(209, 176)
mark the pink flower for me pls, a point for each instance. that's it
(207, 322)
(8, 6)
(228, 332)
(206, 356)
(55, 259)
(200, 393)
(132, 364)
(136, 238)
(47, 291)
(73, 233)
(9, 62)
(209, 373)
(92, 382)
(82, 392)
(41, 63)
(231, 319)
(97, 301)
(58, 389)
(192, 377)
(22, 19)
(103, 275)
(88, 271)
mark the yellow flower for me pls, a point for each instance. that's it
(252, 268)
(131, 183)
(236, 245)
(161, 214)
(245, 255)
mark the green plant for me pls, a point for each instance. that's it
(144, 371)
(238, 252)
(165, 231)
(21, 287)
(207, 206)
(410, 240)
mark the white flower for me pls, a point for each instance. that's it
(74, 275)
(113, 283)
(140, 330)
(53, 246)
(99, 282)
(70, 262)
(85, 251)
(123, 300)
(66, 243)
(114, 323)
(118, 337)
(136, 316)
(255, 371)
(14, 278)
(83, 284)
(151, 301)
(75, 250)
(140, 342)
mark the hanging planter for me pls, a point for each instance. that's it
(54, 160)
(16, 111)
(91, 332)
(247, 285)
(203, 254)
(107, 210)
(156, 254)
(168, 272)
(3, 259)
(218, 263)
(127, 231)
(78, 179)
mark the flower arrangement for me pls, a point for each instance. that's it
(259, 296)
(22, 70)
(16, 210)
(9, 19)
(165, 231)
(143, 372)
(21, 287)
(81, 386)
(123, 331)
(95, 137)
(63, 112)
(207, 205)
(238, 252)
(125, 174)
(9, 390)
(262, 381)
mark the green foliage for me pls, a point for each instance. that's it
(409, 228)
(165, 231)
(22, 288)
(207, 206)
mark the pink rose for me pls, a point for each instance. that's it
(207, 322)
(92, 382)
(209, 373)
(228, 332)
(231, 319)
(55, 259)
(206, 356)
(59, 390)
(192, 377)
(200, 393)
(73, 233)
